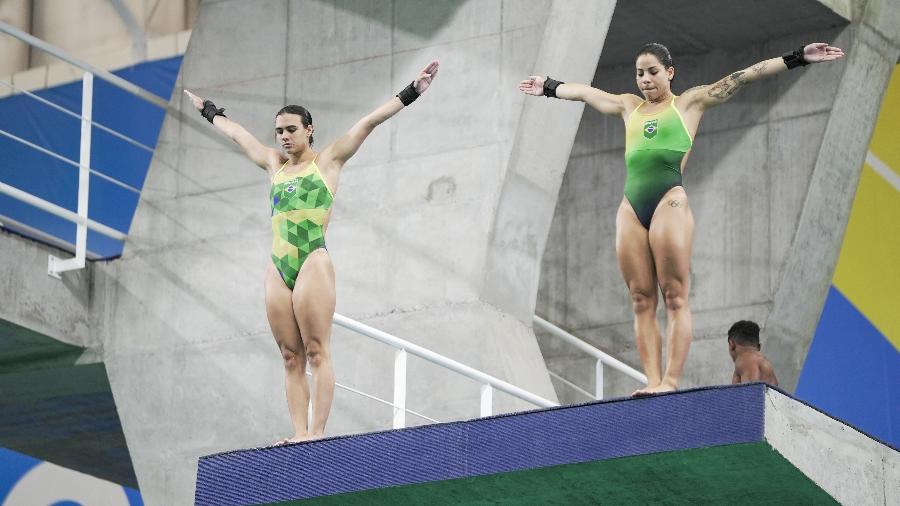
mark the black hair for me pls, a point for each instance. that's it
(658, 50)
(299, 110)
(744, 332)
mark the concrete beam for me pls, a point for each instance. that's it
(537, 160)
(34, 300)
(138, 37)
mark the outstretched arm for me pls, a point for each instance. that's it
(349, 143)
(710, 95)
(607, 103)
(255, 150)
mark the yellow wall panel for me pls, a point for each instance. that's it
(868, 270)
(886, 137)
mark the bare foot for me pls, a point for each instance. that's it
(663, 387)
(298, 438)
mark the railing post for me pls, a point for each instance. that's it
(400, 389)
(56, 266)
(598, 375)
(487, 401)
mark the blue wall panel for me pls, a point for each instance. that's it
(852, 371)
(56, 181)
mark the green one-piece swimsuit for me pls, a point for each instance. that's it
(300, 205)
(655, 145)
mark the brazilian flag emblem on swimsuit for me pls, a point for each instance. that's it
(650, 128)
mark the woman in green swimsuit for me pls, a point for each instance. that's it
(654, 225)
(299, 282)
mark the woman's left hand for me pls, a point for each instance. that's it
(821, 51)
(425, 77)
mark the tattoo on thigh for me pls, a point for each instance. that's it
(675, 203)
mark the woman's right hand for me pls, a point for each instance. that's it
(197, 101)
(534, 85)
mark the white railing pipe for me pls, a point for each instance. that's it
(590, 350)
(400, 389)
(441, 360)
(598, 380)
(55, 265)
(60, 211)
(487, 401)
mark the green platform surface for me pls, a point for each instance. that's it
(752, 473)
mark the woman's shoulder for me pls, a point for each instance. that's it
(630, 102)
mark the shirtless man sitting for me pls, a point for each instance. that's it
(749, 363)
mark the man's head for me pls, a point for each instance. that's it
(742, 334)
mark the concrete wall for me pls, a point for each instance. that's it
(848, 464)
(750, 181)
(32, 299)
(419, 218)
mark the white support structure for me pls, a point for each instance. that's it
(400, 389)
(487, 400)
(598, 382)
(56, 266)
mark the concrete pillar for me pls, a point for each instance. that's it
(14, 53)
(100, 36)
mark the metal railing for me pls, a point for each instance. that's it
(602, 358)
(56, 266)
(488, 383)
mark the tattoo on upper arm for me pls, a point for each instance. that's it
(759, 67)
(728, 86)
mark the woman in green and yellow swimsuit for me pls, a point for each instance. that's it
(654, 225)
(299, 282)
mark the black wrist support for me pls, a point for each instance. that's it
(409, 94)
(795, 59)
(210, 111)
(550, 86)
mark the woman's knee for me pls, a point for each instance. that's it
(316, 352)
(643, 300)
(293, 361)
(675, 294)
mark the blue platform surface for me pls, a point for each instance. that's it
(600, 430)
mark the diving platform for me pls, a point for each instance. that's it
(742, 444)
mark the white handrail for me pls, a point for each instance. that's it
(587, 348)
(447, 363)
(60, 211)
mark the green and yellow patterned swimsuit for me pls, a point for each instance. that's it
(655, 145)
(300, 206)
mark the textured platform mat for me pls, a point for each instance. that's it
(535, 439)
(750, 473)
